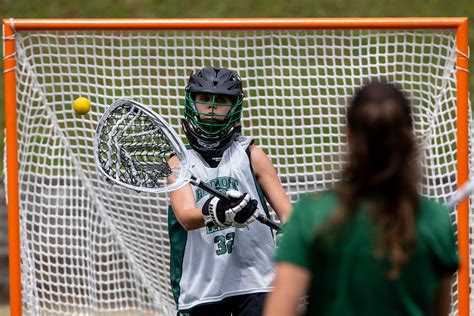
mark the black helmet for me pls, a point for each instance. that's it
(215, 131)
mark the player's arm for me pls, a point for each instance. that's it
(290, 285)
(271, 185)
(184, 208)
(239, 211)
(183, 203)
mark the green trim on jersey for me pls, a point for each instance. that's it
(261, 193)
(261, 196)
(178, 237)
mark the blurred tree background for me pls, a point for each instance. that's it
(218, 9)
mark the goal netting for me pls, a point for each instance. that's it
(88, 248)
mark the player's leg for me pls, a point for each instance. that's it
(248, 305)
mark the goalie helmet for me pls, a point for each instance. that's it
(210, 133)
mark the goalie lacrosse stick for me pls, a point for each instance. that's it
(132, 146)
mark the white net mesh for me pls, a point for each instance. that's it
(88, 248)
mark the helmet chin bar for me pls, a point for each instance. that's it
(209, 147)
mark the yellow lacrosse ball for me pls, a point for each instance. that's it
(82, 106)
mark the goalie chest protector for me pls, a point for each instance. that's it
(209, 264)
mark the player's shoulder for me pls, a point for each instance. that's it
(430, 205)
(243, 141)
(432, 210)
(311, 211)
(318, 204)
(248, 144)
(321, 197)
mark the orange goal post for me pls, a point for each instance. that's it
(78, 246)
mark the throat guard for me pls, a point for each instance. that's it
(210, 148)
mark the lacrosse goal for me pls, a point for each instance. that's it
(78, 246)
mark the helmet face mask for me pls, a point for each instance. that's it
(212, 109)
(212, 114)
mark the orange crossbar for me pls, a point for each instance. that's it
(458, 23)
(236, 23)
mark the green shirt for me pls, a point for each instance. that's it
(348, 279)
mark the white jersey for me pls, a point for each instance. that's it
(209, 264)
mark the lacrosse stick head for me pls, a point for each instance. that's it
(133, 147)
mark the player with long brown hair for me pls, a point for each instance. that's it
(372, 245)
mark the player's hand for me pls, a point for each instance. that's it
(248, 213)
(239, 212)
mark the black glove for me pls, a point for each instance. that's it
(240, 211)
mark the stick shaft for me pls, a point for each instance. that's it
(464, 191)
